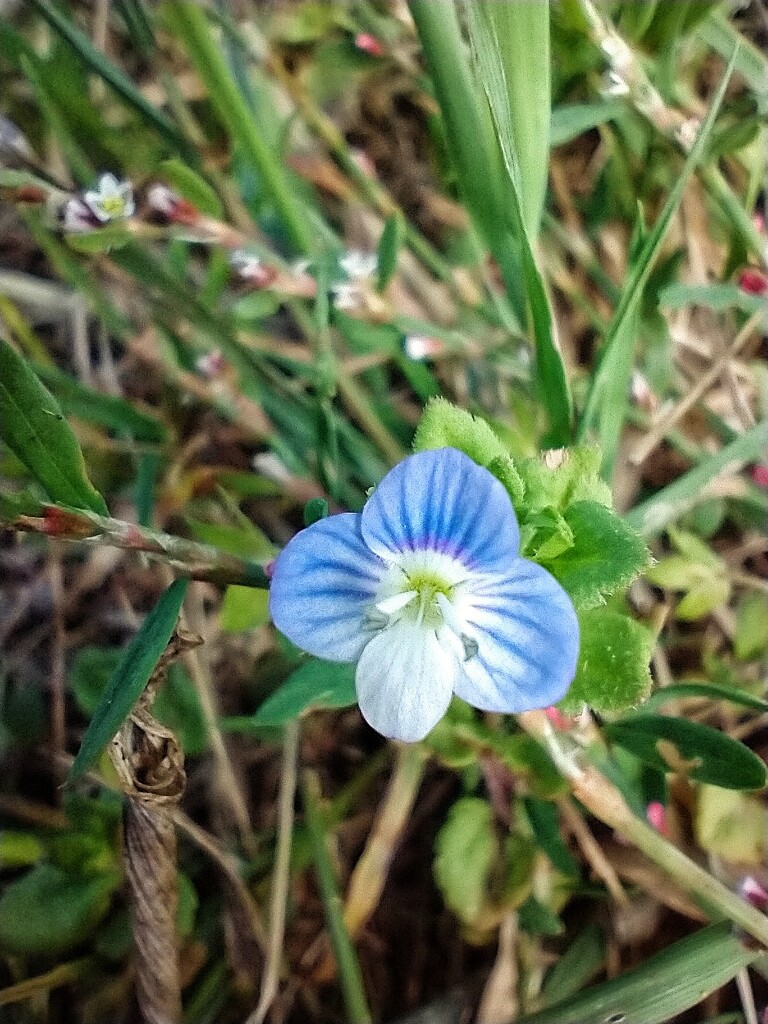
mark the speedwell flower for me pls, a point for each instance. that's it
(425, 590)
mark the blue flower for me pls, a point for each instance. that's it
(426, 591)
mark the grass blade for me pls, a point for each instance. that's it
(551, 379)
(112, 75)
(620, 338)
(668, 983)
(191, 25)
(130, 677)
(653, 515)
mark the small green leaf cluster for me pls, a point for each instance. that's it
(567, 525)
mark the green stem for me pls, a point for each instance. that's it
(191, 24)
(604, 801)
(186, 557)
(350, 975)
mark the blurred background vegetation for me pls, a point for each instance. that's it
(328, 213)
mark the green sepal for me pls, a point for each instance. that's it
(605, 557)
(443, 425)
(612, 673)
(562, 476)
(545, 535)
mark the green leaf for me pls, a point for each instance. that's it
(580, 962)
(315, 510)
(717, 297)
(130, 676)
(692, 689)
(256, 306)
(751, 638)
(192, 186)
(243, 608)
(103, 239)
(176, 706)
(730, 825)
(443, 425)
(545, 823)
(538, 919)
(714, 757)
(34, 428)
(389, 246)
(316, 684)
(573, 119)
(49, 911)
(662, 987)
(612, 673)
(465, 849)
(606, 555)
(106, 410)
(19, 849)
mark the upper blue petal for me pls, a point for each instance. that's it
(444, 501)
(323, 581)
(527, 638)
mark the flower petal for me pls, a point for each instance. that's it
(405, 679)
(527, 637)
(444, 501)
(323, 582)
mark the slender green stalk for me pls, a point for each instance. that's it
(350, 975)
(186, 557)
(605, 802)
(191, 24)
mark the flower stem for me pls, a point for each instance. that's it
(185, 557)
(604, 801)
(349, 968)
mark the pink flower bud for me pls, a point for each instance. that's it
(656, 813)
(369, 44)
(753, 281)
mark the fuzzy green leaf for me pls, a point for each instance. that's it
(33, 426)
(751, 638)
(606, 555)
(443, 425)
(612, 672)
(466, 848)
(49, 911)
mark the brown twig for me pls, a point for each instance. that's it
(150, 765)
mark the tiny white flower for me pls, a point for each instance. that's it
(77, 217)
(421, 346)
(347, 296)
(112, 199)
(358, 265)
(613, 85)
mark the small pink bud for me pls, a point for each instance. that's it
(420, 346)
(759, 475)
(269, 568)
(656, 813)
(753, 892)
(753, 281)
(758, 220)
(211, 364)
(170, 206)
(369, 44)
(557, 718)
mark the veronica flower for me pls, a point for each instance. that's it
(425, 590)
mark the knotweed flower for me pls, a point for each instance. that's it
(112, 199)
(426, 592)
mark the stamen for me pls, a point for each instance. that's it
(395, 603)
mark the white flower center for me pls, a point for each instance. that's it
(425, 588)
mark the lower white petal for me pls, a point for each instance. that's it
(405, 679)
